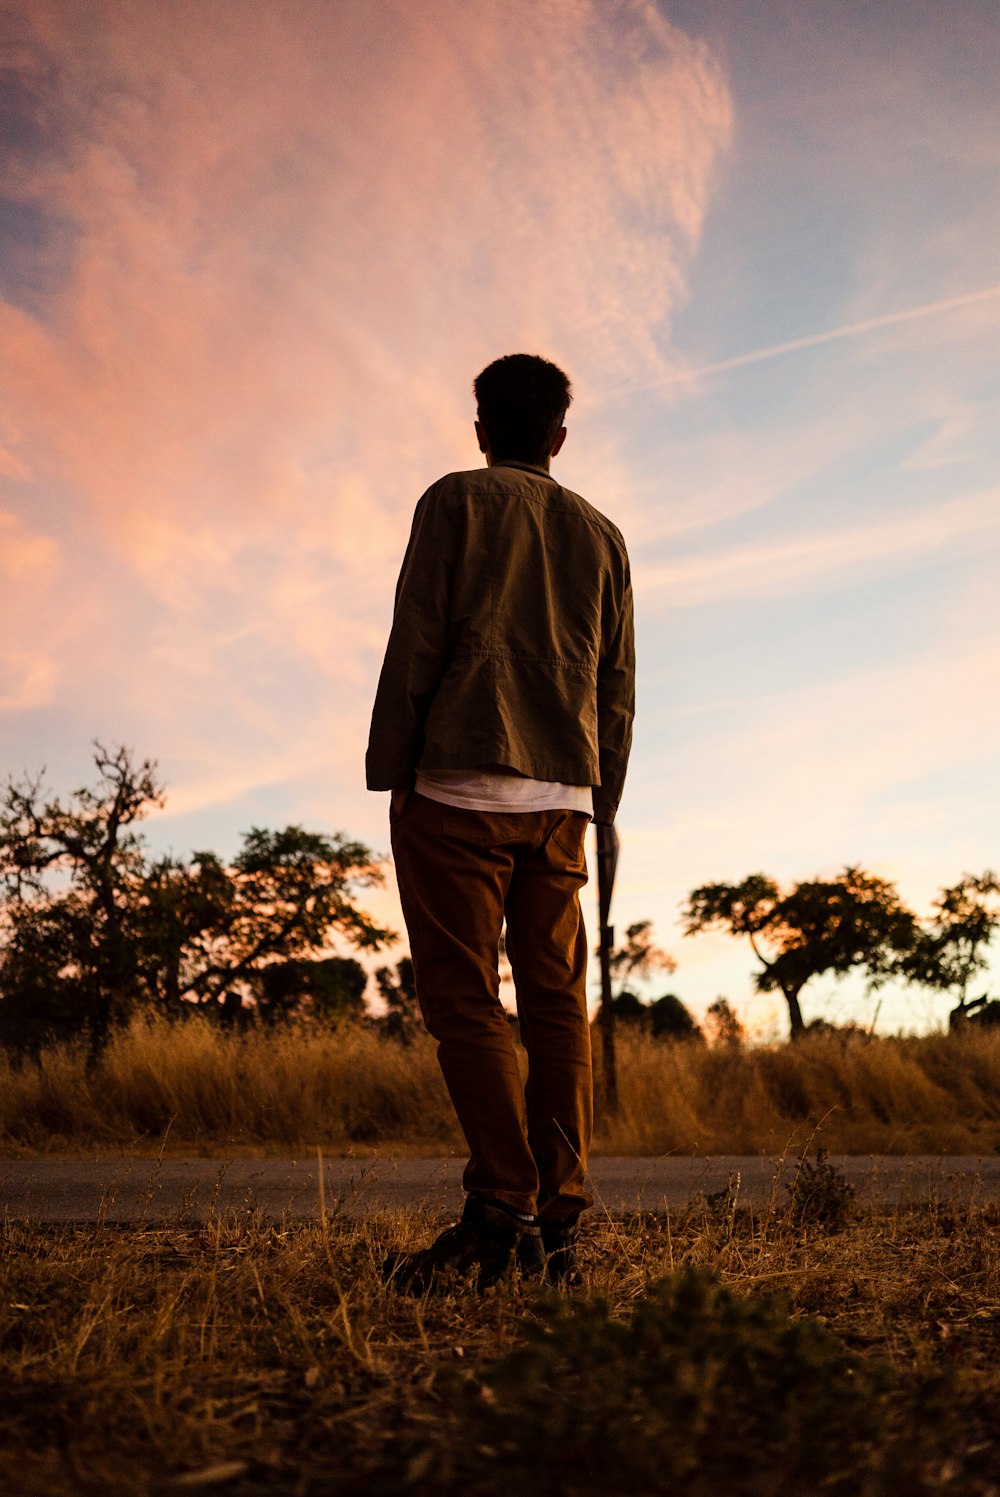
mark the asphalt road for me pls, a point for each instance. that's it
(190, 1190)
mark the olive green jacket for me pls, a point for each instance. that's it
(512, 642)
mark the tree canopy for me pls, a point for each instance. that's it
(854, 921)
(954, 949)
(638, 956)
(664, 1018)
(93, 926)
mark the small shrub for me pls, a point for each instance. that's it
(701, 1392)
(819, 1195)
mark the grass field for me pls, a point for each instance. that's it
(711, 1353)
(809, 1347)
(206, 1092)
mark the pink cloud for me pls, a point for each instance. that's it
(298, 239)
(30, 575)
(285, 240)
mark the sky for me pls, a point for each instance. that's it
(253, 253)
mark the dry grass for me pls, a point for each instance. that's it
(933, 1094)
(254, 1357)
(265, 1092)
(296, 1088)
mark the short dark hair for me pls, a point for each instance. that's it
(522, 400)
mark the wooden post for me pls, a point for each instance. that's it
(607, 861)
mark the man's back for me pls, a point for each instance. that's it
(513, 633)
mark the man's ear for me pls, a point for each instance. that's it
(560, 439)
(482, 439)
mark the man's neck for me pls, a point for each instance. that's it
(517, 462)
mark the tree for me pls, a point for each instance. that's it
(285, 894)
(666, 1018)
(723, 1026)
(67, 873)
(636, 957)
(853, 921)
(398, 988)
(326, 988)
(949, 954)
(93, 927)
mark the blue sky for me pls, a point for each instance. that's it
(253, 257)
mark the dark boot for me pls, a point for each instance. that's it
(489, 1243)
(559, 1241)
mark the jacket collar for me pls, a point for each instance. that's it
(510, 462)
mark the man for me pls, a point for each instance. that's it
(502, 722)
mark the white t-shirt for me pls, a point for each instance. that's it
(485, 790)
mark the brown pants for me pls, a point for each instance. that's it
(460, 873)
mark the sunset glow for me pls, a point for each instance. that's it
(253, 254)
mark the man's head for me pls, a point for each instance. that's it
(521, 401)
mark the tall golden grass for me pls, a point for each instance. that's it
(194, 1089)
(930, 1094)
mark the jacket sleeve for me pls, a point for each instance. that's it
(417, 652)
(615, 708)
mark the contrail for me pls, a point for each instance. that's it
(850, 330)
